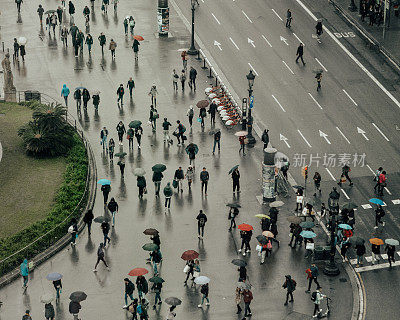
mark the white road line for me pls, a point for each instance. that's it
(345, 194)
(315, 100)
(278, 103)
(304, 138)
(234, 43)
(387, 190)
(352, 100)
(299, 39)
(369, 74)
(253, 69)
(323, 67)
(376, 266)
(330, 173)
(370, 169)
(247, 16)
(266, 40)
(277, 14)
(215, 18)
(343, 135)
(376, 127)
(287, 67)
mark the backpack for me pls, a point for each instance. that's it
(202, 222)
(183, 128)
(314, 296)
(294, 284)
(139, 309)
(155, 115)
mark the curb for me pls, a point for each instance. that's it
(65, 240)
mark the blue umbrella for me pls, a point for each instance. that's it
(104, 182)
(376, 201)
(308, 234)
(344, 226)
(54, 276)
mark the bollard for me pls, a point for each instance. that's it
(216, 81)
(198, 55)
(204, 64)
(268, 175)
(210, 75)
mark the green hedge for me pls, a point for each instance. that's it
(66, 199)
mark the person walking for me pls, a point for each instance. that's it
(379, 214)
(217, 140)
(78, 98)
(376, 252)
(105, 188)
(120, 94)
(24, 271)
(190, 114)
(299, 53)
(246, 238)
(102, 41)
(103, 138)
(112, 46)
(242, 144)
(317, 297)
(184, 59)
(299, 200)
(71, 11)
(192, 78)
(126, 23)
(212, 110)
(40, 12)
(16, 49)
(175, 79)
(58, 286)
(142, 286)
(295, 230)
(153, 93)
(27, 315)
(89, 43)
(73, 230)
(312, 275)
(100, 257)
(60, 14)
(130, 85)
(156, 258)
(18, 2)
(135, 47)
(233, 213)
(132, 24)
(141, 183)
(121, 164)
(390, 250)
(53, 23)
(190, 270)
(247, 298)
(113, 207)
(345, 175)
(49, 313)
(235, 180)
(318, 76)
(204, 177)
(317, 183)
(88, 219)
(204, 289)
(120, 131)
(166, 124)
(183, 79)
(105, 228)
(288, 18)
(168, 194)
(80, 39)
(238, 299)
(202, 115)
(64, 36)
(65, 93)
(376, 177)
(382, 182)
(111, 148)
(129, 135)
(129, 288)
(153, 118)
(360, 251)
(179, 176)
(201, 223)
(138, 135)
(242, 274)
(157, 177)
(74, 308)
(85, 98)
(190, 176)
(290, 286)
(157, 287)
(171, 314)
(179, 131)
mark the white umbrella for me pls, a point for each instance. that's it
(220, 108)
(276, 204)
(46, 298)
(229, 123)
(241, 133)
(182, 49)
(216, 101)
(202, 280)
(22, 41)
(208, 90)
(212, 96)
(226, 118)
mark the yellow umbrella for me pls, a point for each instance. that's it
(262, 216)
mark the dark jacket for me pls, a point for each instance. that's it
(49, 311)
(166, 125)
(360, 250)
(71, 8)
(204, 289)
(217, 136)
(376, 249)
(314, 271)
(243, 273)
(105, 226)
(57, 284)
(88, 216)
(129, 287)
(204, 176)
(300, 50)
(100, 251)
(141, 182)
(212, 109)
(157, 176)
(265, 137)
(235, 175)
(105, 188)
(192, 73)
(156, 239)
(201, 219)
(135, 45)
(74, 307)
(179, 175)
(130, 84)
(289, 284)
(120, 91)
(142, 285)
(26, 317)
(121, 128)
(157, 287)
(77, 94)
(113, 206)
(102, 39)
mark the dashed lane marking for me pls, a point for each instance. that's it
(287, 67)
(266, 40)
(276, 100)
(304, 138)
(380, 131)
(277, 14)
(247, 16)
(323, 67)
(337, 128)
(352, 100)
(215, 18)
(330, 173)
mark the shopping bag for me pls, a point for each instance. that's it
(299, 199)
(186, 269)
(175, 183)
(310, 246)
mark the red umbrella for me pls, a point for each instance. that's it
(138, 272)
(202, 104)
(245, 227)
(189, 255)
(138, 38)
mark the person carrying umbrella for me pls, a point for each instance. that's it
(74, 307)
(142, 286)
(376, 251)
(168, 194)
(157, 177)
(171, 314)
(138, 134)
(129, 288)
(102, 41)
(65, 94)
(100, 256)
(58, 286)
(192, 150)
(156, 258)
(290, 286)
(204, 289)
(49, 313)
(295, 230)
(246, 237)
(105, 188)
(85, 97)
(135, 47)
(233, 213)
(157, 287)
(141, 183)
(190, 270)
(235, 180)
(129, 135)
(202, 115)
(201, 223)
(105, 228)
(113, 207)
(390, 250)
(379, 214)
(179, 176)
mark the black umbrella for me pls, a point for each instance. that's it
(234, 205)
(261, 239)
(150, 232)
(298, 187)
(233, 169)
(156, 280)
(101, 219)
(173, 301)
(239, 262)
(50, 11)
(78, 296)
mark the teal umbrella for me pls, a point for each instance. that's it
(157, 280)
(376, 201)
(392, 242)
(150, 247)
(344, 226)
(120, 154)
(308, 234)
(192, 146)
(233, 169)
(135, 124)
(104, 182)
(159, 167)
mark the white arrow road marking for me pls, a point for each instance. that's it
(304, 138)
(278, 103)
(396, 201)
(253, 69)
(343, 135)
(299, 39)
(251, 41)
(284, 40)
(352, 100)
(247, 16)
(315, 100)
(284, 139)
(330, 173)
(345, 194)
(234, 43)
(287, 67)
(216, 43)
(266, 40)
(325, 136)
(215, 18)
(376, 127)
(323, 67)
(359, 130)
(277, 14)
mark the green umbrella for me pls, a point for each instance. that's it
(139, 172)
(150, 247)
(392, 242)
(135, 124)
(192, 146)
(50, 11)
(120, 154)
(307, 224)
(101, 219)
(349, 206)
(233, 205)
(156, 280)
(233, 169)
(357, 241)
(159, 167)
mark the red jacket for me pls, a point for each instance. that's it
(382, 178)
(247, 296)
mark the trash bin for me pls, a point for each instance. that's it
(319, 253)
(327, 252)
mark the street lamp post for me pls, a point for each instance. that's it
(193, 50)
(250, 78)
(352, 6)
(331, 269)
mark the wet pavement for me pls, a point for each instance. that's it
(47, 67)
